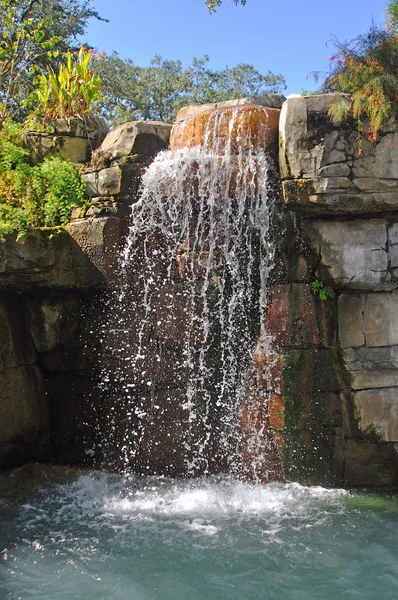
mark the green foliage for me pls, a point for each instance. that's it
(324, 292)
(157, 92)
(212, 4)
(33, 33)
(392, 14)
(367, 69)
(72, 92)
(42, 195)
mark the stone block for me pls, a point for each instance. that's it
(368, 319)
(309, 370)
(383, 358)
(367, 379)
(72, 140)
(292, 319)
(353, 253)
(320, 164)
(113, 181)
(44, 260)
(237, 130)
(351, 327)
(379, 412)
(381, 318)
(99, 241)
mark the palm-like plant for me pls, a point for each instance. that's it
(72, 91)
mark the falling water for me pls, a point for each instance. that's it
(190, 308)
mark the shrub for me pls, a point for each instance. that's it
(42, 195)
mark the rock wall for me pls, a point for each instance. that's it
(328, 408)
(341, 355)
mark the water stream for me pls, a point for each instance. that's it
(181, 328)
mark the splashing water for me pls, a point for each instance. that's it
(184, 322)
(66, 535)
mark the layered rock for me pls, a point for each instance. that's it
(322, 167)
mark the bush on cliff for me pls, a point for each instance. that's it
(366, 68)
(34, 196)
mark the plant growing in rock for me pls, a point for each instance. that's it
(72, 92)
(324, 292)
(42, 195)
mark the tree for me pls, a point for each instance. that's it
(212, 4)
(392, 13)
(157, 92)
(32, 34)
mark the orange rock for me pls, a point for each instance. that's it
(237, 129)
(276, 406)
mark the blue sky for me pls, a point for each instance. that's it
(285, 36)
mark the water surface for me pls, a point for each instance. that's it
(67, 535)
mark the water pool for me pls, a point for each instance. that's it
(67, 534)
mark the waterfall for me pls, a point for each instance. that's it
(183, 324)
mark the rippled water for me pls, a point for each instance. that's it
(68, 535)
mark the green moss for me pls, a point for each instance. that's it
(312, 415)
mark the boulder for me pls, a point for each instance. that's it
(235, 130)
(137, 137)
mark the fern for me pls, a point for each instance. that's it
(42, 195)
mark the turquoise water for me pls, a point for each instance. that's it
(67, 535)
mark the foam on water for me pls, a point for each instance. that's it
(217, 499)
(96, 536)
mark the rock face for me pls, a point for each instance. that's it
(236, 129)
(268, 101)
(114, 174)
(321, 167)
(345, 208)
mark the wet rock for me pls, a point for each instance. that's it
(249, 127)
(267, 100)
(24, 416)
